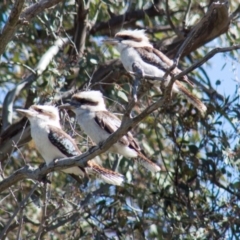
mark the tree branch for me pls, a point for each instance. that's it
(81, 28)
(28, 172)
(21, 206)
(176, 30)
(10, 27)
(16, 18)
(117, 21)
(12, 95)
(213, 24)
(36, 8)
(204, 59)
(216, 10)
(14, 135)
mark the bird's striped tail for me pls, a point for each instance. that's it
(147, 163)
(104, 174)
(191, 98)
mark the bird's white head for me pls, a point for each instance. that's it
(42, 113)
(86, 100)
(129, 38)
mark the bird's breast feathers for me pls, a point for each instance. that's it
(148, 61)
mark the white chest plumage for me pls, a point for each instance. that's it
(39, 134)
(129, 55)
(49, 152)
(86, 120)
(89, 125)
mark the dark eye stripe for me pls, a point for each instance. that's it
(46, 113)
(37, 109)
(85, 102)
(127, 37)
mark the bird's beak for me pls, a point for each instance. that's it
(67, 106)
(25, 112)
(111, 41)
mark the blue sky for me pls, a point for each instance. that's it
(225, 69)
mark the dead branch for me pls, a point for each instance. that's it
(115, 22)
(212, 25)
(35, 9)
(207, 57)
(7, 144)
(21, 206)
(18, 17)
(10, 27)
(28, 172)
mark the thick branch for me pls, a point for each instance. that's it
(16, 18)
(117, 21)
(12, 137)
(12, 95)
(217, 12)
(212, 25)
(10, 27)
(204, 59)
(37, 8)
(21, 206)
(38, 174)
(81, 28)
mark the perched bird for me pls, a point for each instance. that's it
(135, 49)
(53, 143)
(98, 123)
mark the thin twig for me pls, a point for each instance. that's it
(21, 206)
(186, 15)
(19, 64)
(101, 81)
(204, 59)
(25, 83)
(20, 224)
(179, 34)
(116, 21)
(38, 174)
(35, 9)
(116, 162)
(129, 4)
(11, 25)
(189, 40)
(44, 211)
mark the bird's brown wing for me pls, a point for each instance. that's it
(149, 56)
(63, 142)
(160, 60)
(110, 123)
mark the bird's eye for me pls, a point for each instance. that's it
(125, 38)
(82, 101)
(39, 110)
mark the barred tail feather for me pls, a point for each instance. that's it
(104, 174)
(148, 164)
(191, 98)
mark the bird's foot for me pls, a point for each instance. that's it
(138, 71)
(42, 165)
(101, 145)
(55, 161)
(45, 180)
(91, 149)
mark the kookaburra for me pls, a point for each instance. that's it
(98, 123)
(134, 48)
(53, 143)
